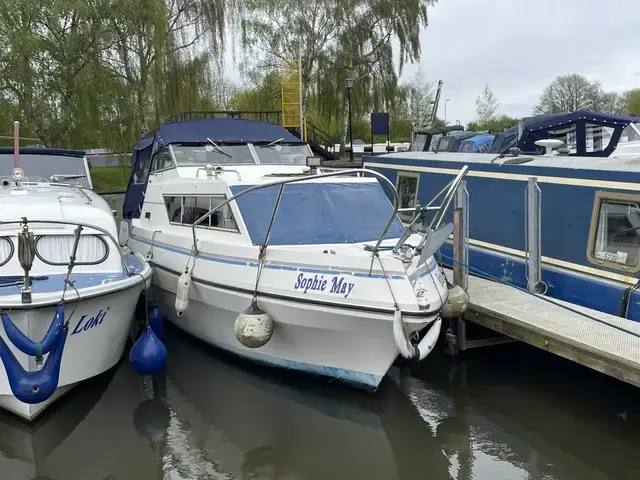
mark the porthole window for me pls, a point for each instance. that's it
(57, 249)
(614, 238)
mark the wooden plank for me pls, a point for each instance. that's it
(578, 353)
(552, 328)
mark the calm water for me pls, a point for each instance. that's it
(505, 413)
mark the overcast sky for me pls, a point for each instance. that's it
(519, 46)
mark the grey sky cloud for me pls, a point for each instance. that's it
(519, 46)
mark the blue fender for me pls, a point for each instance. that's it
(34, 387)
(28, 346)
(149, 354)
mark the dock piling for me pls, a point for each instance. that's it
(533, 200)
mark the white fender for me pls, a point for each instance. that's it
(403, 342)
(425, 347)
(405, 347)
(182, 293)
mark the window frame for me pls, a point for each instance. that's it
(410, 175)
(64, 264)
(600, 198)
(12, 250)
(154, 157)
(210, 196)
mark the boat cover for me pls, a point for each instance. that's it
(318, 213)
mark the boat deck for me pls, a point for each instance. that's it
(583, 340)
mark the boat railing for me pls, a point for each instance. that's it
(114, 242)
(359, 172)
(77, 188)
(284, 181)
(418, 224)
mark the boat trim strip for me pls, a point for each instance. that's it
(249, 291)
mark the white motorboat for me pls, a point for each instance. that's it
(259, 253)
(67, 290)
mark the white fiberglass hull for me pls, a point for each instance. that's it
(96, 339)
(349, 345)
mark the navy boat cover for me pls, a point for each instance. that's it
(220, 130)
(529, 130)
(318, 213)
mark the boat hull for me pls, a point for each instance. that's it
(352, 346)
(98, 331)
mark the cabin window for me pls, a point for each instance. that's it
(283, 154)
(218, 154)
(615, 231)
(597, 137)
(162, 160)
(186, 210)
(407, 187)
(57, 249)
(6, 250)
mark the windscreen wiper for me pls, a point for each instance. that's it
(218, 149)
(273, 144)
(61, 176)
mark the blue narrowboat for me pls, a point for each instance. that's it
(590, 206)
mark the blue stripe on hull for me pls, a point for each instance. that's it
(578, 289)
(367, 381)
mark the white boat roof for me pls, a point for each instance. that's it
(57, 203)
(583, 163)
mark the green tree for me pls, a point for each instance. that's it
(495, 125)
(486, 105)
(631, 102)
(336, 39)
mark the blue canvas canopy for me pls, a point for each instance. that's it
(529, 130)
(220, 130)
(481, 143)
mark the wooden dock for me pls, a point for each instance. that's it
(531, 320)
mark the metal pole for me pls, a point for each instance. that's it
(461, 201)
(350, 130)
(459, 271)
(533, 234)
(16, 144)
(458, 245)
(302, 135)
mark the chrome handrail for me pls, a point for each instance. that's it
(75, 224)
(302, 179)
(56, 184)
(441, 210)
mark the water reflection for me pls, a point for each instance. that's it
(212, 416)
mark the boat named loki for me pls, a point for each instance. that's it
(258, 252)
(67, 290)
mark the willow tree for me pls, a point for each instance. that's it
(336, 39)
(153, 38)
(47, 47)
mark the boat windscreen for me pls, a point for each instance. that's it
(53, 168)
(318, 213)
(215, 154)
(283, 154)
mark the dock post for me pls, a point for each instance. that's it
(461, 254)
(533, 202)
(461, 236)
